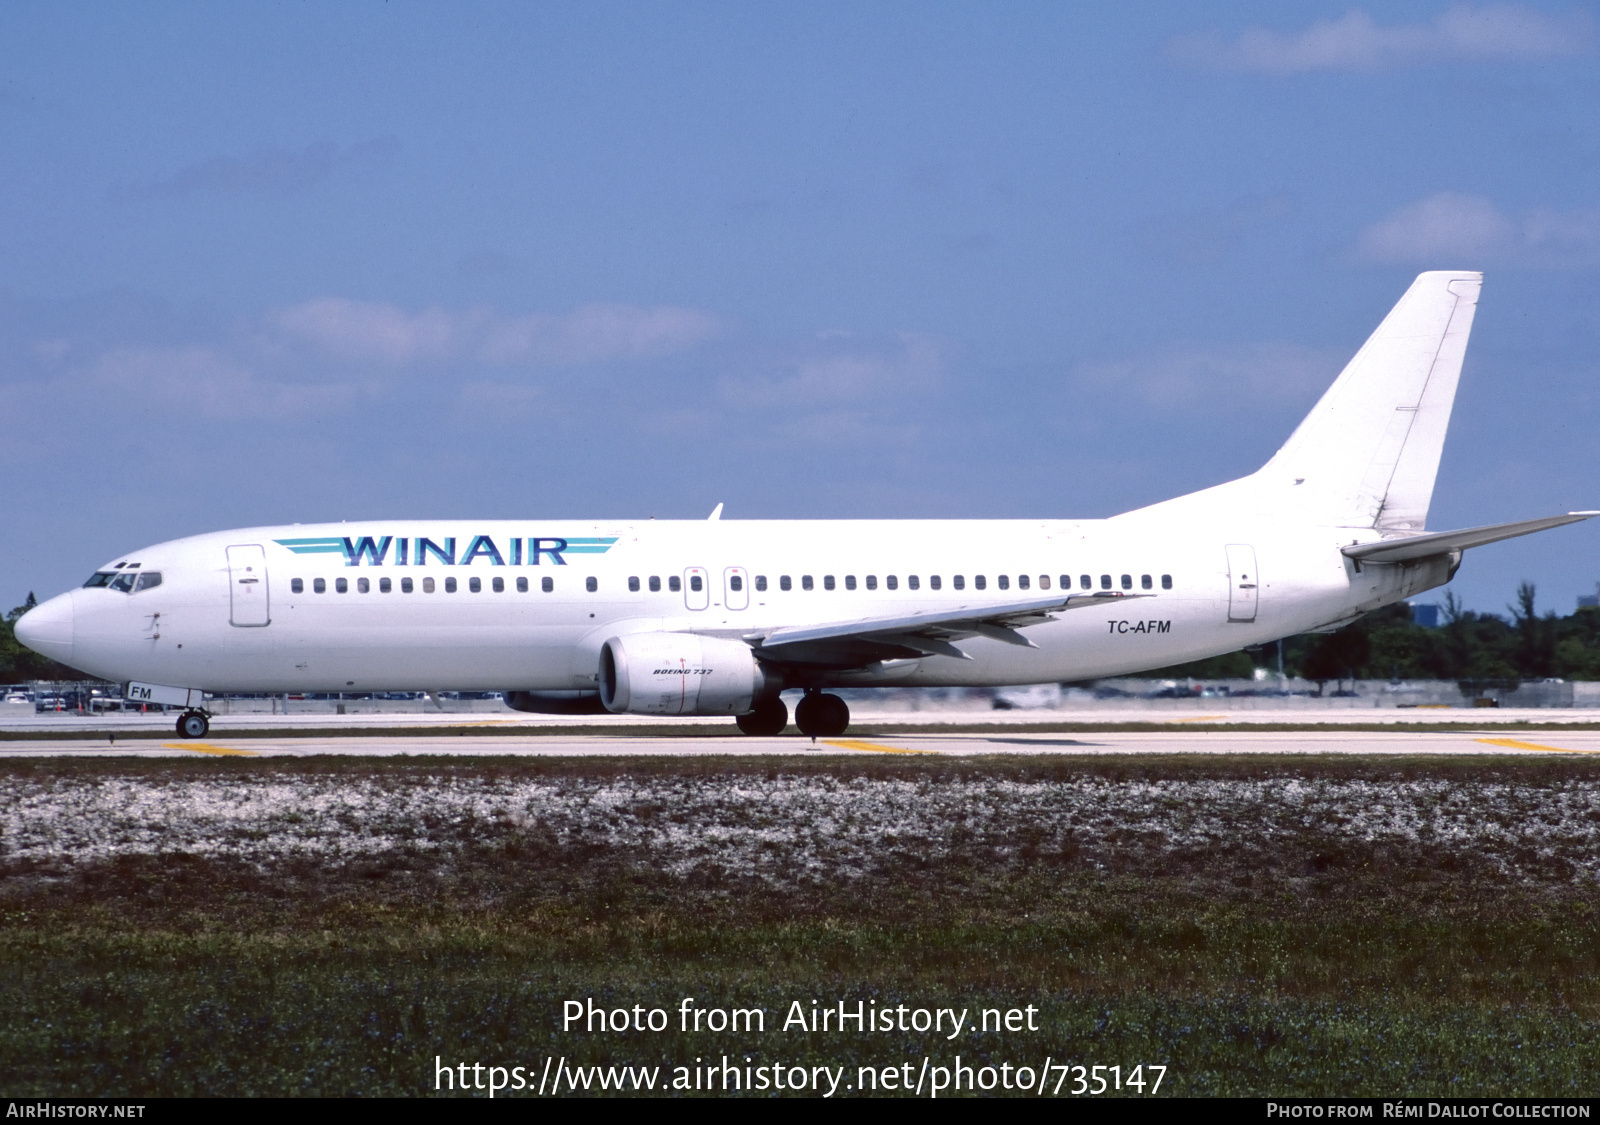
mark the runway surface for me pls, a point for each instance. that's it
(1486, 740)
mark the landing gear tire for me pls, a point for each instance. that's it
(768, 718)
(193, 724)
(822, 716)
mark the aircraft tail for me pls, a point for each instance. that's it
(1367, 454)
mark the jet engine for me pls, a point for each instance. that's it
(681, 674)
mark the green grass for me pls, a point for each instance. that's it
(1281, 961)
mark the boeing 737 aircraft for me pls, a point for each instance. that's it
(717, 617)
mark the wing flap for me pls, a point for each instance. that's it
(1426, 546)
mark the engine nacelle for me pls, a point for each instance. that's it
(680, 674)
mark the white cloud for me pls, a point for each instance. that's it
(848, 371)
(1449, 230)
(595, 333)
(1354, 41)
(1225, 377)
(371, 330)
(201, 382)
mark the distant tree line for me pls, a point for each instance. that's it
(1477, 650)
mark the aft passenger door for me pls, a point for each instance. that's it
(1244, 584)
(735, 588)
(248, 597)
(696, 587)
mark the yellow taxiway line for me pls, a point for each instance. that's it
(871, 747)
(207, 748)
(1515, 745)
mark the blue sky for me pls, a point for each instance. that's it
(282, 262)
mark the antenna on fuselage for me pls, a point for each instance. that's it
(716, 513)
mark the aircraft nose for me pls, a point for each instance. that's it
(47, 628)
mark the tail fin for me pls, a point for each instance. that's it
(1367, 454)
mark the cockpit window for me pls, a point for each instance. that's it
(123, 582)
(148, 579)
(99, 578)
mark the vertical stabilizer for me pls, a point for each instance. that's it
(1367, 454)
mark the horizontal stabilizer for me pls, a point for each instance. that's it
(1426, 546)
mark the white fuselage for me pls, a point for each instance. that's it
(225, 617)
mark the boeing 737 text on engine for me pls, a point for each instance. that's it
(717, 617)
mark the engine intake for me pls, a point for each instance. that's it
(681, 674)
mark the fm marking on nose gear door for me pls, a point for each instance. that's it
(735, 588)
(696, 588)
(1243, 582)
(247, 586)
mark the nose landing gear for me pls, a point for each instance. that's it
(193, 724)
(821, 716)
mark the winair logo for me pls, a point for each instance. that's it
(405, 551)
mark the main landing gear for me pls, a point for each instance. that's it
(821, 716)
(193, 724)
(769, 718)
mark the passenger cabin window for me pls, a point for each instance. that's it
(1004, 582)
(405, 586)
(363, 585)
(959, 582)
(427, 585)
(1083, 581)
(1144, 582)
(1022, 581)
(696, 584)
(592, 583)
(341, 585)
(761, 583)
(385, 586)
(499, 585)
(849, 582)
(805, 582)
(979, 582)
(297, 585)
(1166, 581)
(633, 585)
(892, 582)
(475, 585)
(913, 583)
(784, 583)
(1127, 581)
(933, 582)
(674, 584)
(319, 585)
(1105, 581)
(655, 584)
(1044, 582)
(547, 584)
(827, 581)
(735, 583)
(522, 585)
(449, 585)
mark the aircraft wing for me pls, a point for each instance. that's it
(1423, 546)
(920, 634)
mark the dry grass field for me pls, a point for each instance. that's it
(1257, 925)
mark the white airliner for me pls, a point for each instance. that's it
(717, 617)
